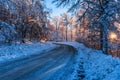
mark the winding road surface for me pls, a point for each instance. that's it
(56, 64)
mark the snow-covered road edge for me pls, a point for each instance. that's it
(13, 52)
(78, 47)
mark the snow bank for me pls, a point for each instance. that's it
(99, 66)
(15, 51)
(96, 65)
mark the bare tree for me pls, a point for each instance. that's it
(56, 21)
(66, 19)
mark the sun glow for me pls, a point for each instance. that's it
(43, 40)
(113, 36)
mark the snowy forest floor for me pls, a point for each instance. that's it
(91, 64)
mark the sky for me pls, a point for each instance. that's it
(55, 11)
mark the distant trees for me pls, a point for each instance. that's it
(65, 22)
(56, 21)
(64, 27)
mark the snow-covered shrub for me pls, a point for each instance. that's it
(7, 32)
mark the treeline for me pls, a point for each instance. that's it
(27, 18)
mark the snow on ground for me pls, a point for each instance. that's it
(96, 65)
(90, 64)
(99, 66)
(8, 53)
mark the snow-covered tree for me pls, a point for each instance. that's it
(28, 16)
(100, 14)
(7, 32)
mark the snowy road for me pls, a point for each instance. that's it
(56, 64)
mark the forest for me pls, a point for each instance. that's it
(94, 23)
(59, 39)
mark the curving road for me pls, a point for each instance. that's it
(56, 64)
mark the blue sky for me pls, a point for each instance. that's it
(55, 11)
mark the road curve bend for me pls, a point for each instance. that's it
(56, 64)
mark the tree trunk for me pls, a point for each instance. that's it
(62, 36)
(104, 33)
(66, 34)
(71, 35)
